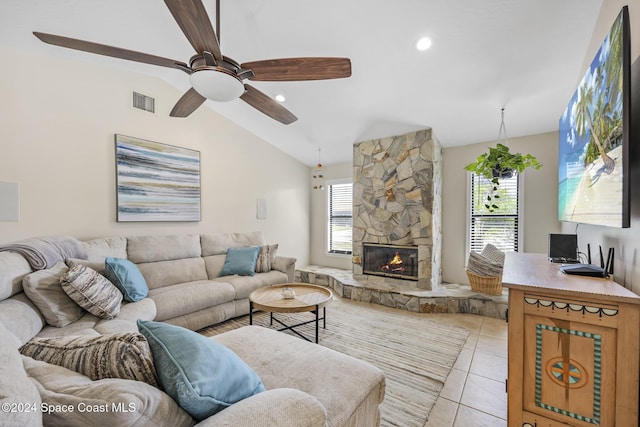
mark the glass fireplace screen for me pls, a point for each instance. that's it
(390, 260)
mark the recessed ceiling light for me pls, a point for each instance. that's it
(423, 44)
(280, 98)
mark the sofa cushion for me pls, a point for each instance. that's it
(44, 289)
(97, 265)
(203, 376)
(327, 381)
(124, 355)
(81, 327)
(184, 298)
(13, 267)
(240, 261)
(163, 248)
(126, 276)
(15, 387)
(99, 249)
(144, 309)
(244, 285)
(92, 291)
(107, 402)
(213, 264)
(21, 317)
(278, 407)
(165, 273)
(218, 243)
(266, 258)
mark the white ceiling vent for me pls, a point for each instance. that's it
(144, 102)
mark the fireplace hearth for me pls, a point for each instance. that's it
(395, 261)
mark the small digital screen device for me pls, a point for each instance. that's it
(563, 248)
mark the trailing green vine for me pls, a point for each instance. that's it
(499, 163)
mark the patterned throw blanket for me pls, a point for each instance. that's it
(44, 252)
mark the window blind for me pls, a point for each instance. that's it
(499, 227)
(340, 218)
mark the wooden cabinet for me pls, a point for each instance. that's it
(573, 347)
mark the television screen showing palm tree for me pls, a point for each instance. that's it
(593, 161)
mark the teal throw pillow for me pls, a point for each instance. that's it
(240, 261)
(200, 374)
(126, 276)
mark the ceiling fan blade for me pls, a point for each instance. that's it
(194, 22)
(187, 104)
(115, 52)
(267, 105)
(292, 69)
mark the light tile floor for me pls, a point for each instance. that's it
(474, 394)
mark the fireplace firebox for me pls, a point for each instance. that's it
(400, 262)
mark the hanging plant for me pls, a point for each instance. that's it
(500, 163)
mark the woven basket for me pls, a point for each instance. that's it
(484, 284)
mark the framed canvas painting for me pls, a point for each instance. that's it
(593, 157)
(156, 182)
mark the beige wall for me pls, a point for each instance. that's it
(625, 241)
(319, 220)
(57, 124)
(540, 203)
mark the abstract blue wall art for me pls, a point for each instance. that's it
(156, 182)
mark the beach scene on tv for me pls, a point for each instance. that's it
(590, 172)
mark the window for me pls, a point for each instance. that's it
(499, 227)
(340, 218)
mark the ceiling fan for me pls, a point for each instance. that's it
(213, 75)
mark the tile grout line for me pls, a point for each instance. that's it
(466, 377)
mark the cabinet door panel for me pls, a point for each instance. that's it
(569, 371)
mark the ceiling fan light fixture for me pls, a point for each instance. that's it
(217, 84)
(280, 98)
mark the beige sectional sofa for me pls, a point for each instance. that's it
(307, 384)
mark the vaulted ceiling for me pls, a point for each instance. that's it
(523, 55)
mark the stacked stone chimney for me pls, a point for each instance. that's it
(397, 200)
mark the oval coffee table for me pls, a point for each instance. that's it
(307, 298)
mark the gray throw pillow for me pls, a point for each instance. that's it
(266, 258)
(92, 291)
(45, 291)
(124, 355)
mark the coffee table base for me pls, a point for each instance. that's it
(291, 327)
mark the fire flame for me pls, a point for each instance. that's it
(396, 260)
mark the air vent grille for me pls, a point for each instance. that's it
(144, 102)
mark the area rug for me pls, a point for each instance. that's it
(415, 353)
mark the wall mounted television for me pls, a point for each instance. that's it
(593, 161)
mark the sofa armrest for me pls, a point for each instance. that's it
(277, 407)
(286, 265)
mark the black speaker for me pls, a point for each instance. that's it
(563, 248)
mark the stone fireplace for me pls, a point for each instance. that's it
(397, 204)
